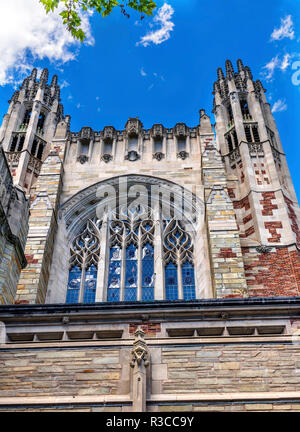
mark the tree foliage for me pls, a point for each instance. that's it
(73, 8)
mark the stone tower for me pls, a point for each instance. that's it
(28, 127)
(259, 182)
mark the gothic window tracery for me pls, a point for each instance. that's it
(129, 272)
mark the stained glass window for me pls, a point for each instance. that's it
(130, 292)
(148, 272)
(74, 285)
(90, 284)
(171, 281)
(114, 276)
(188, 281)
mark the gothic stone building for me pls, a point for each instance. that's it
(148, 269)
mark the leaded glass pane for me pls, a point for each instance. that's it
(130, 293)
(114, 276)
(90, 284)
(171, 281)
(148, 272)
(188, 281)
(73, 285)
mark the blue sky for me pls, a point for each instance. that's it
(114, 76)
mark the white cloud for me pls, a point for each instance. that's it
(286, 30)
(163, 19)
(143, 73)
(276, 63)
(285, 62)
(64, 84)
(78, 105)
(28, 33)
(271, 66)
(279, 106)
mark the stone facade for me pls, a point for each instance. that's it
(215, 327)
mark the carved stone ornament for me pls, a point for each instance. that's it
(158, 156)
(132, 156)
(133, 126)
(180, 130)
(82, 159)
(139, 351)
(108, 133)
(157, 131)
(106, 157)
(182, 154)
(86, 133)
(263, 249)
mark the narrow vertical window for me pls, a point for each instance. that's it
(21, 143)
(90, 284)
(14, 143)
(74, 285)
(130, 289)
(255, 134)
(148, 272)
(248, 133)
(84, 258)
(158, 145)
(40, 151)
(34, 147)
(188, 281)
(171, 281)
(114, 275)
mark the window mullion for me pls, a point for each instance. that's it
(123, 266)
(82, 281)
(179, 279)
(139, 266)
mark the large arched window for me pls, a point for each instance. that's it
(132, 252)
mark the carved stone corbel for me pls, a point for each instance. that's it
(140, 360)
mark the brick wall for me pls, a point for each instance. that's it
(276, 273)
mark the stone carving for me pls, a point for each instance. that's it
(133, 126)
(157, 131)
(109, 133)
(263, 249)
(106, 157)
(82, 159)
(234, 155)
(132, 156)
(86, 133)
(140, 352)
(140, 360)
(256, 148)
(181, 130)
(182, 154)
(158, 156)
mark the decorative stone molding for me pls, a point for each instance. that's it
(234, 155)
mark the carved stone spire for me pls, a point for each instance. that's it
(229, 69)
